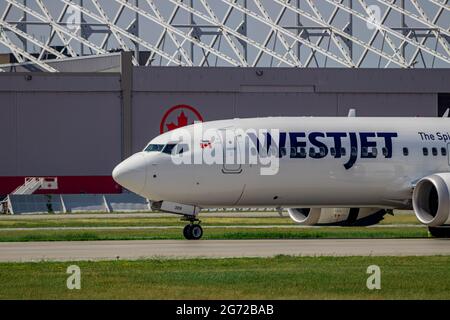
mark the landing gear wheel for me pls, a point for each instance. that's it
(439, 232)
(193, 232)
(196, 232)
(187, 231)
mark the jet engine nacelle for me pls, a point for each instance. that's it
(337, 216)
(431, 200)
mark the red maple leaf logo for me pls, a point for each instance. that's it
(182, 122)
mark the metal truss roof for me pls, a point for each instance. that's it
(245, 33)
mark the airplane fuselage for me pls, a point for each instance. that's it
(320, 162)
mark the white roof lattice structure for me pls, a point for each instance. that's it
(244, 33)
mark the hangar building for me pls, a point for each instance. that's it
(73, 105)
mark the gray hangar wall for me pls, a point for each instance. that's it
(60, 125)
(74, 126)
(220, 93)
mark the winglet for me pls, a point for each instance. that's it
(445, 115)
(351, 113)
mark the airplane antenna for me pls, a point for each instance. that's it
(445, 115)
(351, 113)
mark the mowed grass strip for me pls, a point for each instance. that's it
(139, 222)
(280, 277)
(213, 233)
(408, 218)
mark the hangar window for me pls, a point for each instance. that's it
(443, 151)
(425, 151)
(405, 152)
(434, 151)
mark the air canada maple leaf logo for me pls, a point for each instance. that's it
(182, 122)
(179, 116)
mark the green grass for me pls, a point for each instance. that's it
(170, 221)
(281, 277)
(285, 232)
(213, 233)
(138, 222)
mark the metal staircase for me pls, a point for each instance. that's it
(30, 186)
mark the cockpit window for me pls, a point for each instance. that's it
(154, 148)
(170, 148)
(182, 148)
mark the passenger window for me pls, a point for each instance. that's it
(364, 152)
(354, 152)
(323, 152)
(273, 151)
(293, 152)
(369, 154)
(425, 151)
(312, 152)
(333, 152)
(298, 152)
(444, 151)
(303, 152)
(434, 151)
(343, 152)
(385, 152)
(405, 152)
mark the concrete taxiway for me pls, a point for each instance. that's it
(111, 250)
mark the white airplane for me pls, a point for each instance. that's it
(325, 170)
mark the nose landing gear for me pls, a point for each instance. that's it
(192, 231)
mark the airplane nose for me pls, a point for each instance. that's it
(132, 173)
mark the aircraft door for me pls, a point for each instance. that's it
(231, 152)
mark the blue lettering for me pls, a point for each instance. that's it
(337, 136)
(353, 151)
(387, 141)
(282, 145)
(297, 145)
(323, 149)
(366, 146)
